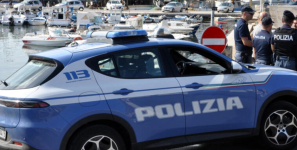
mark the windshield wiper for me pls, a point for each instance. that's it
(4, 83)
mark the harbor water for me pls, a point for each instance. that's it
(14, 54)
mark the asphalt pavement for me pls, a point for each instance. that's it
(250, 143)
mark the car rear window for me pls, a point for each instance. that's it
(32, 74)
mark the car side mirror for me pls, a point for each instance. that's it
(236, 67)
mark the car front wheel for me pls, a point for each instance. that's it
(81, 9)
(98, 137)
(279, 126)
(172, 10)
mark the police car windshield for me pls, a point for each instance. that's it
(29, 76)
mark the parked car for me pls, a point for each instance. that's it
(173, 6)
(292, 3)
(226, 7)
(138, 93)
(76, 4)
(28, 4)
(114, 4)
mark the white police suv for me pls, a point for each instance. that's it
(138, 93)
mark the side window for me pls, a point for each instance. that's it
(36, 2)
(144, 63)
(71, 3)
(104, 65)
(191, 62)
(77, 3)
(30, 3)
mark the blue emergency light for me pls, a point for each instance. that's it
(129, 33)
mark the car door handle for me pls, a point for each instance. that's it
(123, 91)
(194, 85)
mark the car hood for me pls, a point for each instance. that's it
(263, 68)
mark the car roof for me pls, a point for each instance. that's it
(68, 55)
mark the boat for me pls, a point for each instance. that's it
(115, 17)
(32, 49)
(56, 37)
(2, 13)
(174, 27)
(226, 19)
(194, 19)
(29, 15)
(58, 16)
(37, 21)
(13, 20)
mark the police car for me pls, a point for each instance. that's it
(136, 93)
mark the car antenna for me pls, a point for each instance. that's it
(4, 83)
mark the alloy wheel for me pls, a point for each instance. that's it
(281, 127)
(100, 142)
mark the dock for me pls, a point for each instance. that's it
(159, 12)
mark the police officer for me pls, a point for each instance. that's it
(295, 23)
(262, 43)
(242, 36)
(284, 40)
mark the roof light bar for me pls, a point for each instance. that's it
(129, 33)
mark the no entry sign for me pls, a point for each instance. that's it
(214, 38)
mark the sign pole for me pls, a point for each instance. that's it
(212, 16)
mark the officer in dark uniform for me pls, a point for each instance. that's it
(262, 43)
(242, 36)
(284, 40)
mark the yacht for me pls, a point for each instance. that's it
(58, 16)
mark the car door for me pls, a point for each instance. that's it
(36, 4)
(29, 5)
(70, 4)
(215, 99)
(139, 88)
(77, 5)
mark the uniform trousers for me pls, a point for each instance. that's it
(285, 62)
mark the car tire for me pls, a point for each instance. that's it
(181, 10)
(40, 8)
(81, 140)
(227, 11)
(81, 9)
(172, 10)
(233, 10)
(278, 129)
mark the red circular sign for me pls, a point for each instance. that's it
(214, 38)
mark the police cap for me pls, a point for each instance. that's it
(247, 9)
(267, 21)
(289, 14)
